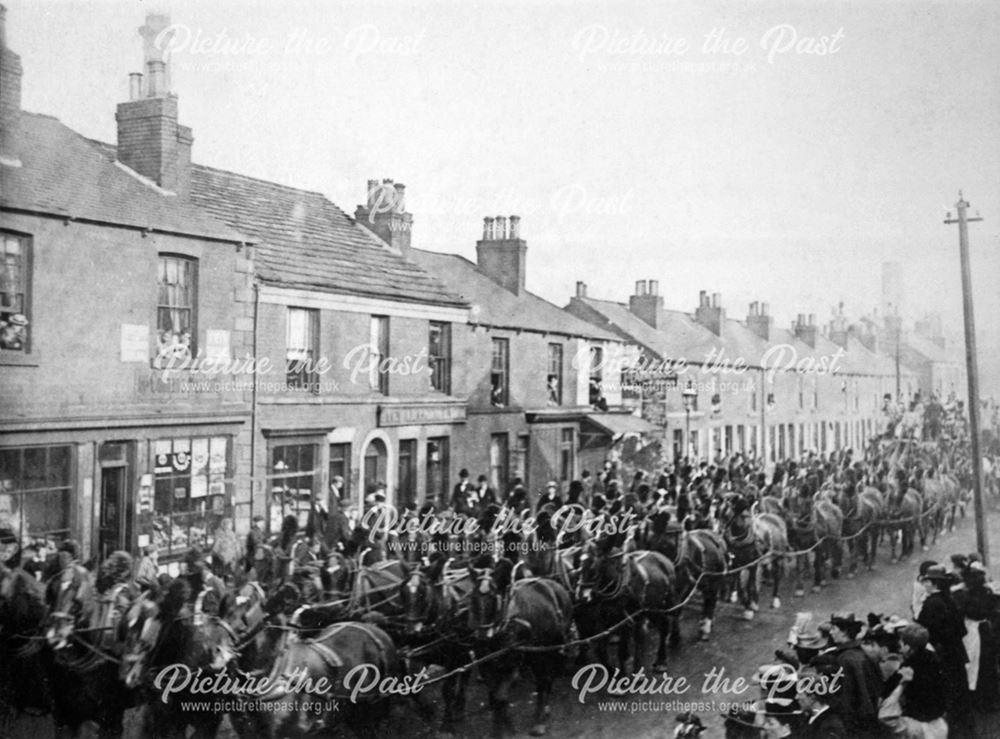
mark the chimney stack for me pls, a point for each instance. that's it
(805, 330)
(11, 73)
(581, 289)
(710, 312)
(385, 214)
(647, 304)
(501, 253)
(150, 141)
(759, 321)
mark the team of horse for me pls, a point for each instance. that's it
(89, 651)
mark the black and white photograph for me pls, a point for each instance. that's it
(590, 370)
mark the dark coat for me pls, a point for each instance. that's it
(860, 691)
(923, 698)
(337, 534)
(460, 498)
(942, 619)
(828, 725)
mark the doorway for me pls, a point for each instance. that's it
(113, 519)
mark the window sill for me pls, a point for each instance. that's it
(19, 359)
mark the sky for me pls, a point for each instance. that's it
(773, 151)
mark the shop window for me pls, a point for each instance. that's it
(293, 479)
(380, 352)
(555, 376)
(439, 349)
(35, 484)
(301, 349)
(500, 373)
(567, 455)
(406, 495)
(340, 466)
(437, 469)
(499, 460)
(176, 307)
(189, 493)
(15, 282)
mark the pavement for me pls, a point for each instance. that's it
(710, 669)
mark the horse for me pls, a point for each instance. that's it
(165, 635)
(436, 610)
(862, 515)
(904, 514)
(332, 660)
(86, 651)
(631, 589)
(534, 613)
(702, 563)
(815, 525)
(755, 541)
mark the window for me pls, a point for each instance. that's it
(567, 455)
(596, 393)
(802, 396)
(301, 349)
(189, 494)
(500, 373)
(380, 351)
(376, 465)
(498, 462)
(406, 496)
(555, 375)
(521, 459)
(14, 281)
(437, 469)
(35, 484)
(439, 349)
(293, 479)
(340, 466)
(176, 307)
(753, 400)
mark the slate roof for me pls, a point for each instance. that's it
(497, 306)
(308, 242)
(62, 173)
(927, 350)
(678, 331)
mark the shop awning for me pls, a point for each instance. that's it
(620, 424)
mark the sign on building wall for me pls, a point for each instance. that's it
(135, 343)
(419, 414)
(217, 344)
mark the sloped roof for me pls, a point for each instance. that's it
(497, 306)
(927, 349)
(678, 331)
(63, 173)
(308, 242)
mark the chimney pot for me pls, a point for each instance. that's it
(812, 319)
(399, 204)
(702, 297)
(640, 287)
(581, 289)
(373, 193)
(156, 82)
(488, 228)
(501, 223)
(715, 300)
(654, 287)
(135, 85)
(515, 227)
(764, 308)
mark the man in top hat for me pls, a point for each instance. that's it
(860, 684)
(460, 497)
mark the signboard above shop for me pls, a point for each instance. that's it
(420, 414)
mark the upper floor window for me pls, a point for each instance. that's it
(555, 374)
(176, 307)
(439, 349)
(500, 373)
(596, 393)
(14, 292)
(301, 348)
(380, 352)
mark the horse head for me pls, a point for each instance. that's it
(244, 610)
(417, 596)
(486, 602)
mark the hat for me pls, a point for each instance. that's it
(258, 517)
(937, 573)
(777, 680)
(481, 478)
(740, 506)
(18, 319)
(194, 555)
(463, 472)
(690, 725)
(70, 547)
(552, 484)
(375, 498)
(845, 618)
(7, 536)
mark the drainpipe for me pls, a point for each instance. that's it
(253, 399)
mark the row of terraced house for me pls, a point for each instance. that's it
(181, 344)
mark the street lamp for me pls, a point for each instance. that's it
(690, 398)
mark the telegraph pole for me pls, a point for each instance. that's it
(972, 370)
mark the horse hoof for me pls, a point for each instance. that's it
(925, 548)
(817, 589)
(733, 597)
(748, 615)
(754, 606)
(703, 636)
(776, 603)
(800, 593)
(538, 730)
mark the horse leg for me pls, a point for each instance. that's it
(710, 596)
(797, 564)
(836, 553)
(449, 689)
(776, 568)
(625, 635)
(819, 561)
(749, 592)
(545, 668)
(663, 633)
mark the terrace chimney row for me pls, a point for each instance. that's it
(805, 329)
(759, 321)
(710, 312)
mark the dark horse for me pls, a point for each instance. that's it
(534, 613)
(171, 635)
(24, 682)
(755, 542)
(631, 589)
(862, 516)
(702, 564)
(436, 606)
(302, 706)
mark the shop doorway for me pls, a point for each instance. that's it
(113, 529)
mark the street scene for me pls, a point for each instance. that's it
(660, 401)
